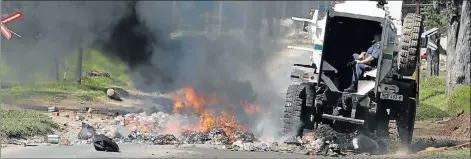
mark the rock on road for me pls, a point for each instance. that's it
(137, 151)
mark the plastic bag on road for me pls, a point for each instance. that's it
(103, 143)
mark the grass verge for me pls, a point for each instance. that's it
(90, 90)
(434, 103)
(26, 123)
(464, 153)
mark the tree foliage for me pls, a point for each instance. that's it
(435, 18)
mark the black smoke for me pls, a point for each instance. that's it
(232, 65)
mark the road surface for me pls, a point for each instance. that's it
(137, 151)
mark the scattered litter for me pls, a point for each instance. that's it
(52, 139)
(167, 139)
(87, 132)
(63, 141)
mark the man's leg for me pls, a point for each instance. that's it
(352, 87)
(359, 69)
(355, 57)
(356, 75)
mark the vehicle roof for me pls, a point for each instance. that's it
(368, 8)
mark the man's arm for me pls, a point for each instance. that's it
(367, 60)
(362, 55)
(374, 55)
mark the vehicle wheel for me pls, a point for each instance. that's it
(410, 44)
(405, 125)
(308, 106)
(292, 119)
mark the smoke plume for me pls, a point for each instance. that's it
(142, 34)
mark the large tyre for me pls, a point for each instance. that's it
(410, 44)
(405, 125)
(292, 118)
(308, 106)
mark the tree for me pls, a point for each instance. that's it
(435, 18)
(459, 59)
(458, 44)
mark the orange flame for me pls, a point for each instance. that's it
(250, 108)
(192, 99)
(172, 127)
(193, 102)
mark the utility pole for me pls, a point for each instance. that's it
(78, 73)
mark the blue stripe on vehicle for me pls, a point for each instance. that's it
(317, 47)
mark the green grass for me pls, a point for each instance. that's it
(26, 123)
(434, 103)
(465, 153)
(95, 60)
(91, 88)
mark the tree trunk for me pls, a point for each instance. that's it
(460, 68)
(78, 75)
(433, 58)
(452, 36)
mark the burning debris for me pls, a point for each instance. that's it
(166, 139)
(193, 137)
(193, 122)
(174, 129)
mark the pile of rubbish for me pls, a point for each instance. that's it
(154, 130)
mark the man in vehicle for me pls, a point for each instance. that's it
(364, 62)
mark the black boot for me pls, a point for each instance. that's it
(352, 88)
